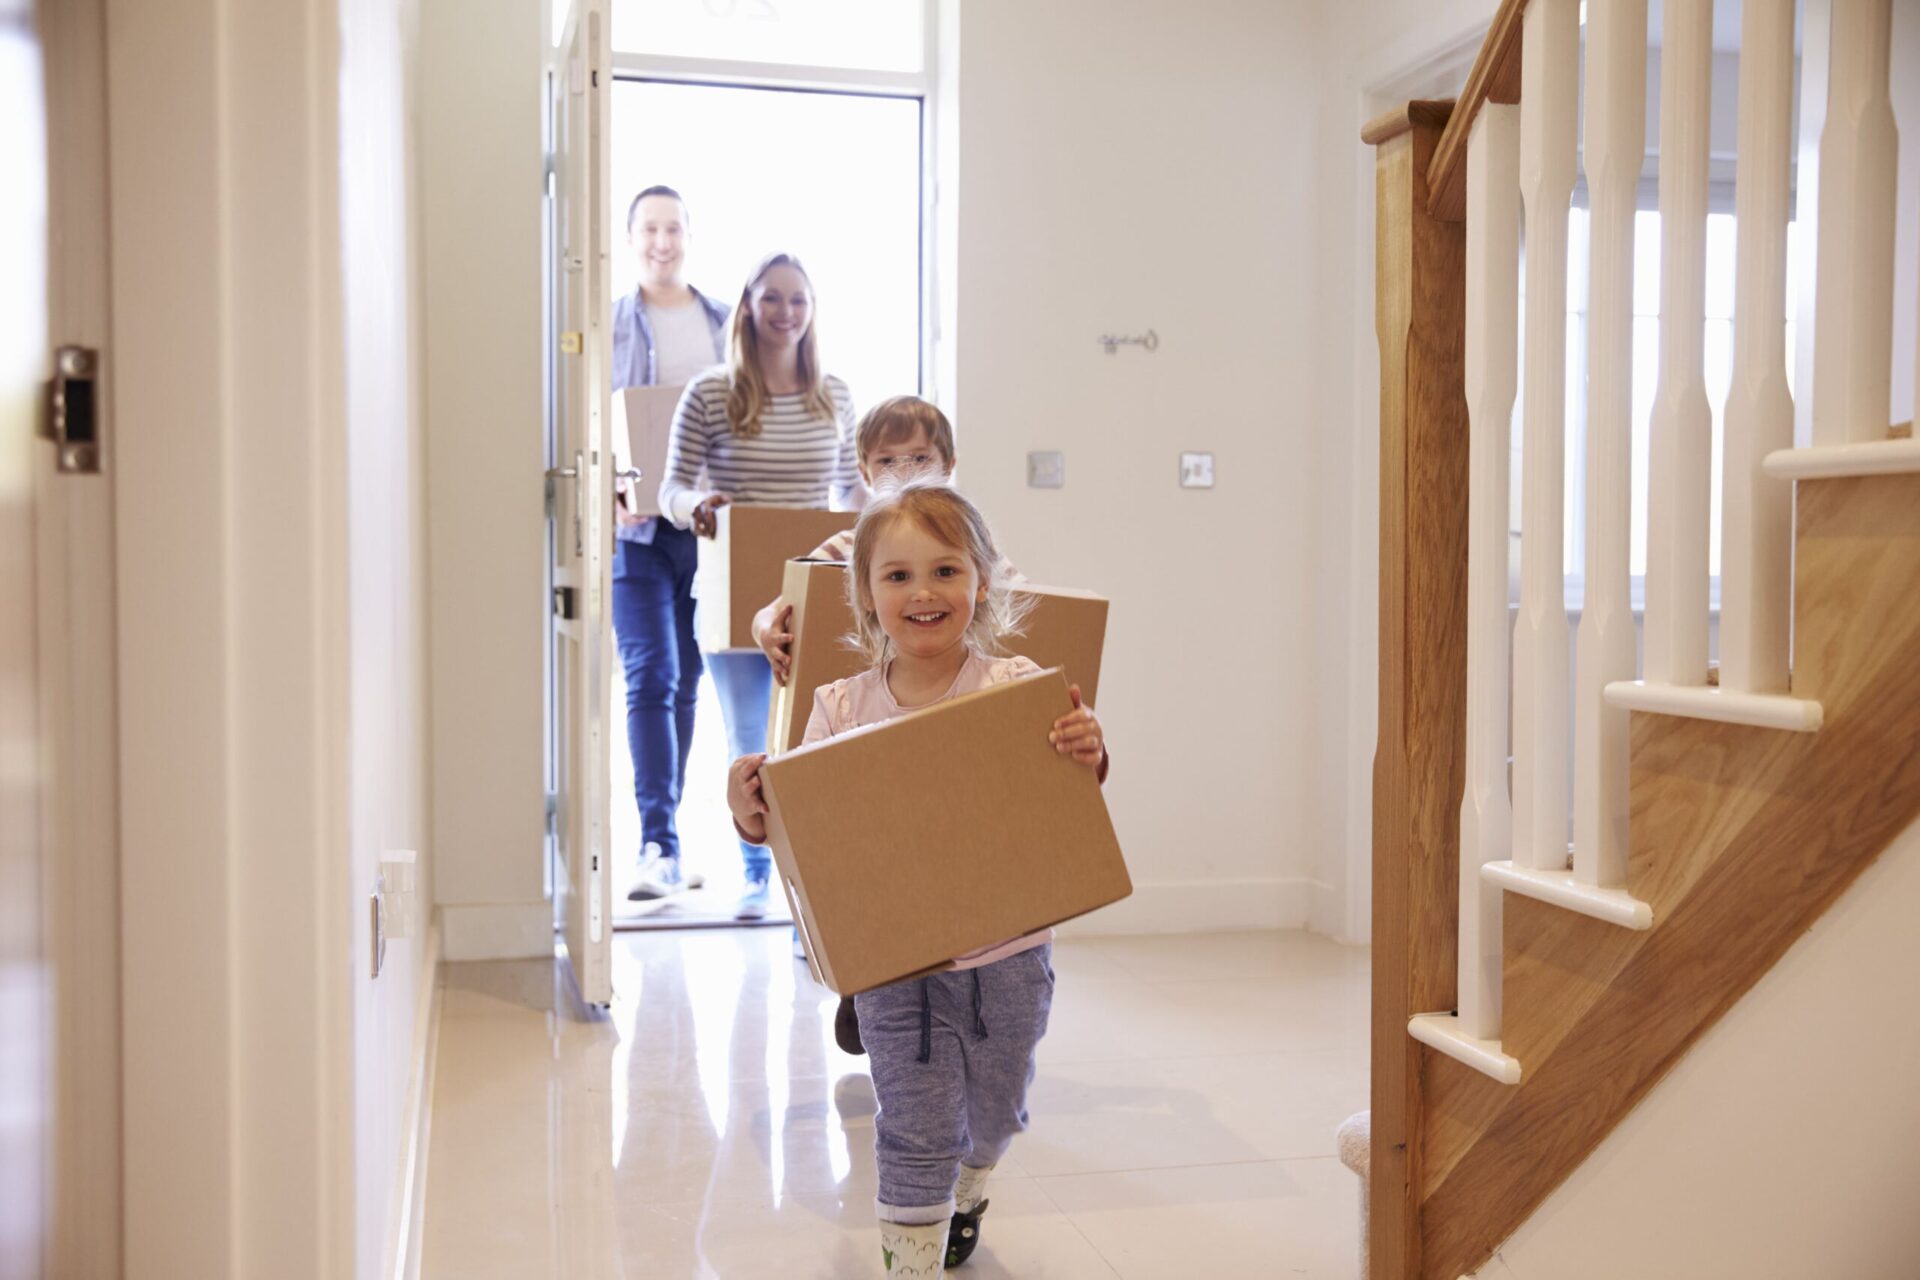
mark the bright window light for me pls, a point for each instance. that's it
(833, 178)
(868, 35)
(1718, 361)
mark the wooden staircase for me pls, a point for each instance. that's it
(1741, 838)
(1749, 808)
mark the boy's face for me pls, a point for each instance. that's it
(904, 456)
(923, 591)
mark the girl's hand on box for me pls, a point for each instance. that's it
(777, 643)
(705, 522)
(745, 796)
(1078, 733)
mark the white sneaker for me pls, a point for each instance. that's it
(753, 903)
(661, 877)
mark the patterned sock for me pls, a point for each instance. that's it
(971, 1188)
(913, 1253)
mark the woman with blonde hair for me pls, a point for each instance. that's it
(771, 426)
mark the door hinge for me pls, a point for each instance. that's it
(553, 813)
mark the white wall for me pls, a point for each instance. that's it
(271, 620)
(481, 192)
(386, 547)
(238, 984)
(1130, 166)
(1786, 1143)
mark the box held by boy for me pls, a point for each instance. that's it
(1066, 629)
(939, 833)
(741, 566)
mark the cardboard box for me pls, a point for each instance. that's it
(741, 566)
(942, 832)
(1066, 629)
(643, 422)
(822, 618)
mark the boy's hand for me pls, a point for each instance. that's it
(745, 797)
(777, 643)
(705, 522)
(1078, 733)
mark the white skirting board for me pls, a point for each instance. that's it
(496, 931)
(1201, 906)
(406, 1210)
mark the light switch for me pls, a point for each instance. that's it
(1047, 470)
(1196, 471)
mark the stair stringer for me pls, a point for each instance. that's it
(1741, 838)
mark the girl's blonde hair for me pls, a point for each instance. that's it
(938, 509)
(747, 393)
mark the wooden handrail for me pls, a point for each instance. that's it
(1495, 78)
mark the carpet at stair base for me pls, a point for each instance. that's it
(1354, 1137)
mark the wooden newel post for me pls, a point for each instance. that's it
(1419, 763)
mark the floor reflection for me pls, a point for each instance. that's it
(707, 1126)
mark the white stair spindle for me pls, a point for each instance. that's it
(1616, 144)
(1681, 450)
(1756, 546)
(1550, 77)
(1493, 317)
(1853, 298)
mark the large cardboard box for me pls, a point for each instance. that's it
(942, 832)
(741, 566)
(643, 423)
(1066, 629)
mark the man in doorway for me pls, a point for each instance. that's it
(664, 333)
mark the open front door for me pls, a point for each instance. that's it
(580, 479)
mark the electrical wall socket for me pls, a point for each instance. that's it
(1196, 471)
(397, 891)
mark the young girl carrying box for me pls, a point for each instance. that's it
(952, 1054)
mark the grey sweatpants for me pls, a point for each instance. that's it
(969, 1099)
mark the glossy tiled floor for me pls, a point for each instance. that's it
(1183, 1119)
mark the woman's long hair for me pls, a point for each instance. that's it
(747, 393)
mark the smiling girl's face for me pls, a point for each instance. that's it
(923, 590)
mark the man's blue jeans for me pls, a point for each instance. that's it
(744, 680)
(653, 622)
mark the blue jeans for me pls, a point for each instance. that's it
(653, 622)
(744, 680)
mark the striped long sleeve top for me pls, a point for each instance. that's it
(798, 459)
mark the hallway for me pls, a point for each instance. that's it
(1188, 1094)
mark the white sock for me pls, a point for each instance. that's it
(913, 1252)
(969, 1192)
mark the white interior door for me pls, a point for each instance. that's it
(581, 475)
